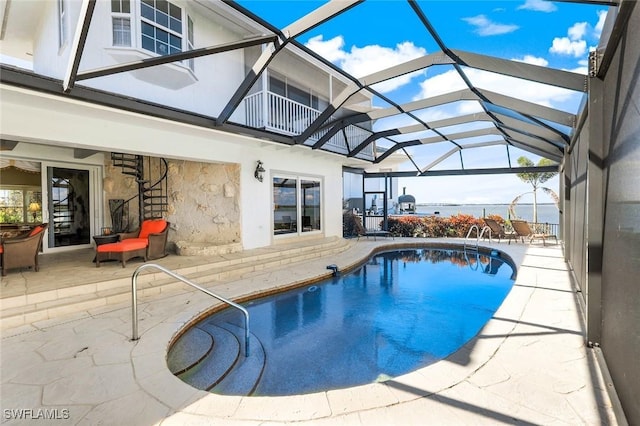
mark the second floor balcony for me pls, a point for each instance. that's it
(273, 112)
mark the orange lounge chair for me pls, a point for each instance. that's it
(149, 243)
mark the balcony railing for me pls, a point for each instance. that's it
(280, 114)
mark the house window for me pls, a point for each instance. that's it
(121, 22)
(20, 204)
(281, 86)
(297, 205)
(161, 26)
(122, 32)
(62, 23)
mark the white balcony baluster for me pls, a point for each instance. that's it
(283, 115)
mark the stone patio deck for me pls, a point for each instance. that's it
(528, 365)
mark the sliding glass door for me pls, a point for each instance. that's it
(69, 206)
(297, 205)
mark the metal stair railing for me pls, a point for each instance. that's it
(152, 195)
(479, 234)
(134, 301)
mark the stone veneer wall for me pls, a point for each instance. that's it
(203, 209)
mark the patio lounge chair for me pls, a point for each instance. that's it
(498, 231)
(149, 243)
(22, 251)
(523, 230)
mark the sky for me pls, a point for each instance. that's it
(378, 34)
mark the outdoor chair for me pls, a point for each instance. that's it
(149, 242)
(498, 231)
(22, 251)
(375, 233)
(523, 230)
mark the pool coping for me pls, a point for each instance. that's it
(409, 387)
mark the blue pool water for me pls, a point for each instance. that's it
(400, 311)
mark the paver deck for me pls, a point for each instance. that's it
(528, 365)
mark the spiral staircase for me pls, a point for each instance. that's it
(150, 174)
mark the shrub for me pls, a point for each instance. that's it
(352, 225)
(461, 223)
(434, 226)
(404, 226)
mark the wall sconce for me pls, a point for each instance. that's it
(34, 208)
(259, 171)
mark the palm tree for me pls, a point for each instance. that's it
(535, 179)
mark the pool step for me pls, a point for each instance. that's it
(190, 349)
(222, 367)
(212, 369)
(244, 377)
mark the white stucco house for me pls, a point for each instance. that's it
(231, 189)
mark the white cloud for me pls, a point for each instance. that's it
(517, 88)
(539, 6)
(362, 61)
(565, 46)
(533, 60)
(486, 27)
(583, 69)
(577, 31)
(329, 49)
(446, 82)
(575, 43)
(602, 16)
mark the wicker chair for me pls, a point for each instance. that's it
(498, 231)
(149, 242)
(523, 230)
(22, 251)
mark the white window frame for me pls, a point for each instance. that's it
(27, 216)
(62, 24)
(299, 231)
(125, 16)
(140, 19)
(190, 42)
(95, 202)
(136, 20)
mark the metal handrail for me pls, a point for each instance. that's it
(134, 300)
(479, 234)
(485, 228)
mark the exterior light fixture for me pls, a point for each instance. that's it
(259, 171)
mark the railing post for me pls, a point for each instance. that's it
(134, 301)
(134, 305)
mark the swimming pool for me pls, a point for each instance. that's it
(400, 311)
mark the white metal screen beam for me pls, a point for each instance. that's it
(522, 70)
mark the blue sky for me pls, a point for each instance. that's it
(381, 33)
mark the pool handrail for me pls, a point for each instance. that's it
(134, 301)
(479, 234)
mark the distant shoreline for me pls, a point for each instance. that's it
(481, 204)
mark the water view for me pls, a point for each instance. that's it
(547, 213)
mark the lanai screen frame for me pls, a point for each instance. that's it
(515, 123)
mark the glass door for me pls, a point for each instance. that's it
(297, 205)
(69, 207)
(310, 199)
(285, 205)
